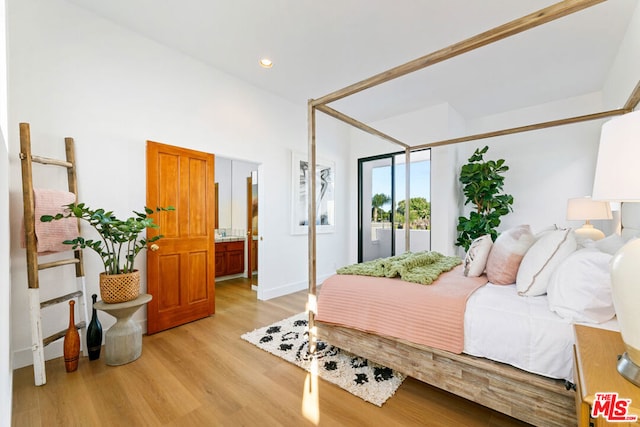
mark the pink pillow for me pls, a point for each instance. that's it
(507, 253)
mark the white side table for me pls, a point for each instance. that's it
(123, 341)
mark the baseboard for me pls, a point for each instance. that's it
(231, 276)
(24, 357)
(286, 289)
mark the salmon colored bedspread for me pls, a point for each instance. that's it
(431, 315)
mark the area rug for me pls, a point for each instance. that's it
(288, 339)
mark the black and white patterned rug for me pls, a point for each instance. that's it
(288, 339)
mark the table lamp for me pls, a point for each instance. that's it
(586, 209)
(617, 178)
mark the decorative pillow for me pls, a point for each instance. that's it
(610, 244)
(507, 253)
(545, 230)
(476, 259)
(580, 288)
(541, 259)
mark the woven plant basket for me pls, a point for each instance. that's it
(116, 288)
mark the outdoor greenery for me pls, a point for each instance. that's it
(419, 211)
(120, 240)
(482, 183)
(377, 201)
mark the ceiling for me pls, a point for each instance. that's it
(322, 46)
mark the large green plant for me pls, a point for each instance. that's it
(120, 240)
(482, 182)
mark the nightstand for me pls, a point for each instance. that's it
(595, 358)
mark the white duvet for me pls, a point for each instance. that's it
(520, 331)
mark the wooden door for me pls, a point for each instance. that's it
(181, 273)
(250, 266)
(252, 225)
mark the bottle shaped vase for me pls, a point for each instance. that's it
(94, 333)
(71, 342)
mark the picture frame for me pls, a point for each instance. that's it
(325, 194)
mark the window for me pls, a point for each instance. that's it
(382, 204)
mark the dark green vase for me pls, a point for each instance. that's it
(94, 333)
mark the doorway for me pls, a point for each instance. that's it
(236, 235)
(180, 269)
(252, 228)
(381, 204)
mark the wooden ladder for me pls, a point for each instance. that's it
(33, 266)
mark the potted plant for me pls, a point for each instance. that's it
(119, 243)
(482, 183)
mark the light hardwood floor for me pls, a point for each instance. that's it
(204, 374)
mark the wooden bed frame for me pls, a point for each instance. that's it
(522, 395)
(528, 397)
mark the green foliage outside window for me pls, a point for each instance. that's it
(377, 201)
(419, 213)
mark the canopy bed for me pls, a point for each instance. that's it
(535, 398)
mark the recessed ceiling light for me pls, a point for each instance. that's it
(266, 63)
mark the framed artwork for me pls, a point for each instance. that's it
(325, 200)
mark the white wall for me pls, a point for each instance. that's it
(6, 371)
(622, 78)
(74, 74)
(332, 143)
(223, 178)
(546, 167)
(549, 166)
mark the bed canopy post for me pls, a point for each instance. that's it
(311, 170)
(634, 99)
(407, 199)
(526, 128)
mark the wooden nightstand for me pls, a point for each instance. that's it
(595, 357)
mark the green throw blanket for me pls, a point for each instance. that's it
(420, 267)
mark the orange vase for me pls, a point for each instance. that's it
(71, 343)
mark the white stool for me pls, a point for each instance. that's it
(123, 341)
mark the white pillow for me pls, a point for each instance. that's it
(580, 288)
(545, 230)
(610, 244)
(507, 253)
(476, 259)
(541, 259)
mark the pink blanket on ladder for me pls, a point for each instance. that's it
(50, 235)
(431, 315)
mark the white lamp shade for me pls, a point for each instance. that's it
(617, 175)
(617, 179)
(625, 271)
(584, 208)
